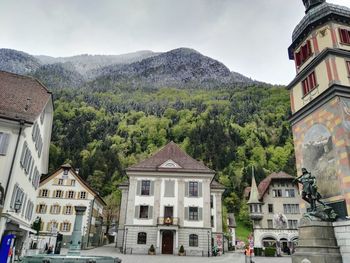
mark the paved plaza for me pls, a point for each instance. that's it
(228, 257)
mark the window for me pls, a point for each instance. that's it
(36, 178)
(72, 182)
(291, 208)
(58, 194)
(68, 210)
(55, 209)
(145, 187)
(193, 240)
(60, 181)
(26, 158)
(193, 189)
(143, 211)
(269, 223)
(277, 192)
(270, 208)
(193, 213)
(211, 201)
(255, 208)
(65, 172)
(17, 197)
(70, 194)
(344, 36)
(304, 53)
(41, 208)
(293, 224)
(83, 195)
(44, 193)
(290, 193)
(52, 226)
(29, 211)
(212, 221)
(65, 227)
(141, 238)
(309, 83)
(4, 142)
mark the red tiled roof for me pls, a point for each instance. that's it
(21, 97)
(173, 152)
(264, 184)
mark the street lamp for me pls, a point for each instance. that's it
(208, 243)
(18, 205)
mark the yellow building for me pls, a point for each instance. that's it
(320, 99)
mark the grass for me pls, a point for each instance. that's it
(242, 231)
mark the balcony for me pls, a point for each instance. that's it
(168, 221)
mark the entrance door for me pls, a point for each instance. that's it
(167, 242)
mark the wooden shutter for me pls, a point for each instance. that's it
(37, 209)
(40, 192)
(187, 211)
(309, 49)
(200, 213)
(138, 189)
(137, 211)
(4, 142)
(150, 212)
(151, 190)
(199, 189)
(186, 188)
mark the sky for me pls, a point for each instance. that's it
(249, 36)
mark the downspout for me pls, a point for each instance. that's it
(21, 124)
(92, 211)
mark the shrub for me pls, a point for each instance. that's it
(181, 250)
(270, 251)
(258, 251)
(151, 249)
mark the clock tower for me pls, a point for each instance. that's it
(320, 99)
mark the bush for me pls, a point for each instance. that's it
(181, 250)
(270, 252)
(258, 251)
(151, 249)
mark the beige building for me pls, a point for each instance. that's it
(58, 194)
(170, 200)
(275, 211)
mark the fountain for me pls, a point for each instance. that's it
(73, 255)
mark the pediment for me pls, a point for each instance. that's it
(170, 164)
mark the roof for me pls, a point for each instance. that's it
(171, 152)
(81, 180)
(254, 193)
(317, 15)
(216, 185)
(264, 184)
(21, 97)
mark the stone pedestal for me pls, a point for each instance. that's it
(317, 243)
(75, 245)
(342, 233)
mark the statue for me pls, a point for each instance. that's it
(312, 196)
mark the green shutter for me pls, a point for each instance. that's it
(138, 190)
(150, 212)
(151, 190)
(199, 189)
(186, 213)
(137, 211)
(200, 213)
(186, 188)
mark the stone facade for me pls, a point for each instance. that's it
(170, 200)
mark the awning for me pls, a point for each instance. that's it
(27, 229)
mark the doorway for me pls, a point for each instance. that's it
(167, 242)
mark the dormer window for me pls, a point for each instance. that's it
(344, 36)
(304, 53)
(309, 83)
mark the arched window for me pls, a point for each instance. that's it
(193, 240)
(141, 238)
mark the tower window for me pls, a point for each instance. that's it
(344, 36)
(304, 53)
(309, 83)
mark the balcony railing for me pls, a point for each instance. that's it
(168, 221)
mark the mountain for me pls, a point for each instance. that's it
(17, 61)
(178, 68)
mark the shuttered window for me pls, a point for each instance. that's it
(309, 83)
(17, 197)
(193, 213)
(303, 54)
(145, 187)
(344, 36)
(4, 142)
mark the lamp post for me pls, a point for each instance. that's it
(126, 239)
(208, 243)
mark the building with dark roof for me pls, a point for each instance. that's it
(275, 211)
(170, 200)
(26, 114)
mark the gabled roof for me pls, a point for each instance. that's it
(73, 171)
(173, 152)
(264, 184)
(21, 97)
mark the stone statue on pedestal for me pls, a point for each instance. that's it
(312, 196)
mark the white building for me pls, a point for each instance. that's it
(26, 113)
(58, 194)
(169, 201)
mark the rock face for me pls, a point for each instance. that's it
(181, 68)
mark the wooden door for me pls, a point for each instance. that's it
(167, 242)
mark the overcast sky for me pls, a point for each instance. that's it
(248, 36)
